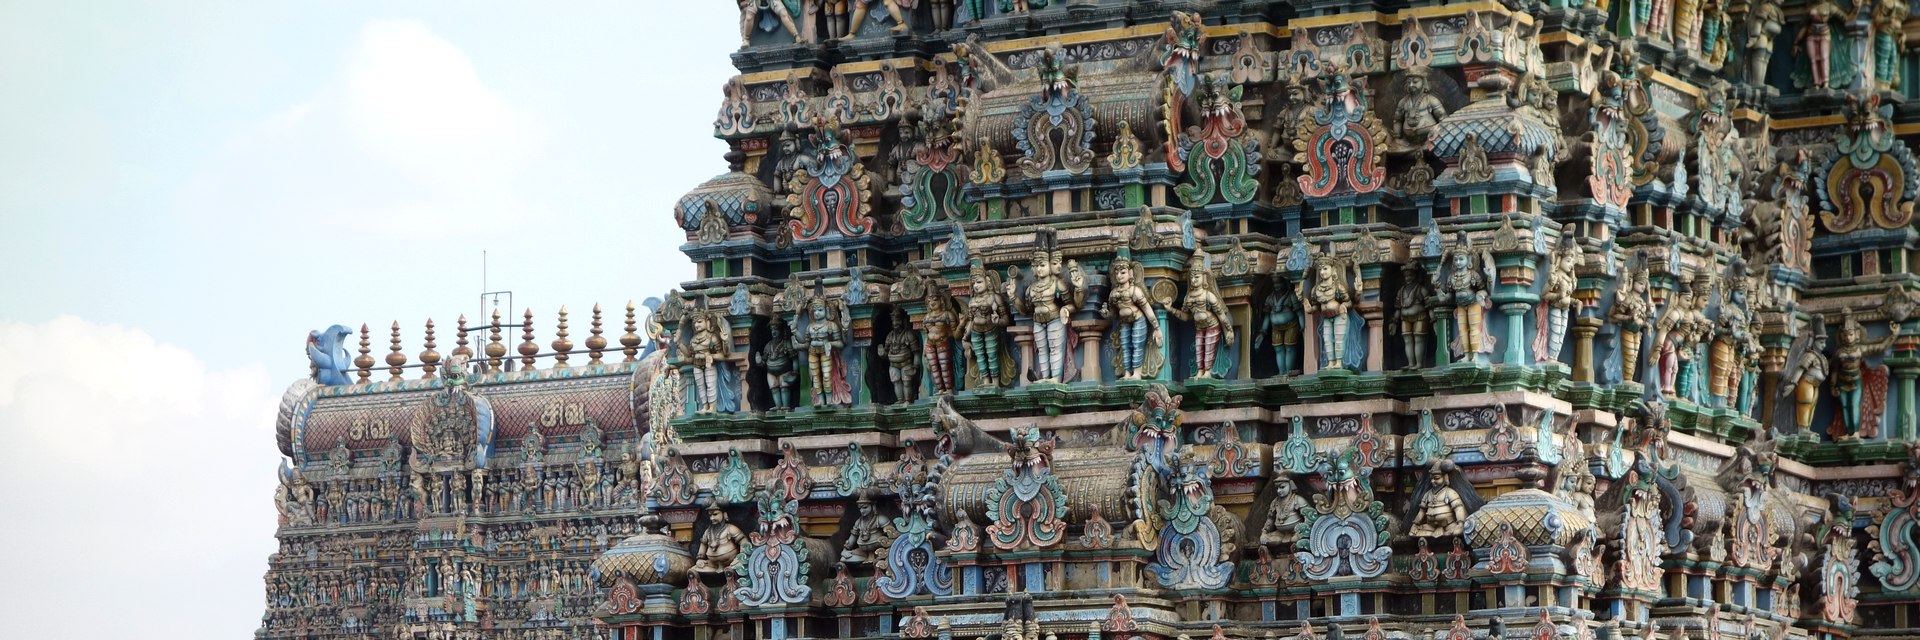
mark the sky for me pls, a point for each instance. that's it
(188, 187)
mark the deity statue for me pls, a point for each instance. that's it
(1849, 367)
(1672, 331)
(939, 325)
(1441, 503)
(1815, 42)
(1686, 26)
(1329, 299)
(1463, 281)
(1204, 307)
(1050, 299)
(872, 533)
(1731, 334)
(1412, 321)
(1280, 326)
(1283, 514)
(1716, 33)
(1889, 42)
(1562, 280)
(901, 349)
(1763, 22)
(1136, 327)
(1632, 309)
(860, 9)
(1656, 22)
(707, 348)
(777, 357)
(720, 543)
(986, 318)
(766, 14)
(825, 334)
(1416, 113)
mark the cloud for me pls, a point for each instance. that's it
(138, 482)
(405, 137)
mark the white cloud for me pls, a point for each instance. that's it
(405, 137)
(138, 483)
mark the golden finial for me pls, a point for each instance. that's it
(630, 343)
(365, 362)
(429, 359)
(528, 349)
(561, 345)
(395, 359)
(595, 343)
(495, 348)
(460, 339)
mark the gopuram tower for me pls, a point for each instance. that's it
(1176, 319)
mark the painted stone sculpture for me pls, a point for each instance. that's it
(1051, 296)
(1558, 297)
(776, 564)
(986, 321)
(829, 188)
(1464, 283)
(720, 544)
(902, 351)
(708, 349)
(1027, 506)
(1339, 142)
(1441, 502)
(941, 330)
(1329, 299)
(777, 357)
(1280, 326)
(1190, 555)
(1055, 130)
(1212, 322)
(821, 337)
(1219, 157)
(871, 534)
(1412, 320)
(1853, 377)
(1346, 528)
(1136, 328)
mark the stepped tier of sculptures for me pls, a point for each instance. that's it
(1025, 320)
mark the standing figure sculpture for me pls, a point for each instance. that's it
(1671, 331)
(902, 352)
(1763, 22)
(1204, 307)
(1413, 322)
(777, 358)
(1632, 308)
(1558, 297)
(1464, 280)
(1807, 369)
(1889, 41)
(707, 348)
(986, 317)
(1136, 327)
(1415, 114)
(1280, 326)
(862, 7)
(1329, 298)
(1849, 368)
(767, 13)
(1725, 368)
(939, 325)
(825, 334)
(1815, 42)
(1053, 295)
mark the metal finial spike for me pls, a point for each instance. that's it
(495, 349)
(561, 345)
(429, 359)
(395, 359)
(365, 362)
(595, 342)
(460, 339)
(630, 342)
(527, 347)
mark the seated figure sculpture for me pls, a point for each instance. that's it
(720, 544)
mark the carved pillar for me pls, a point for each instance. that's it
(1904, 375)
(1091, 332)
(1309, 344)
(1442, 334)
(1516, 340)
(1023, 345)
(1584, 330)
(1373, 311)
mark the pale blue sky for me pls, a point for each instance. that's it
(188, 187)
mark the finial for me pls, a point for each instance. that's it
(595, 343)
(561, 345)
(395, 359)
(630, 343)
(429, 359)
(495, 348)
(460, 339)
(527, 348)
(365, 362)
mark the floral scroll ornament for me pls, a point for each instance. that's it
(829, 190)
(774, 569)
(1061, 110)
(1231, 458)
(1189, 554)
(1346, 527)
(1871, 177)
(1896, 539)
(1340, 141)
(1219, 157)
(1027, 505)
